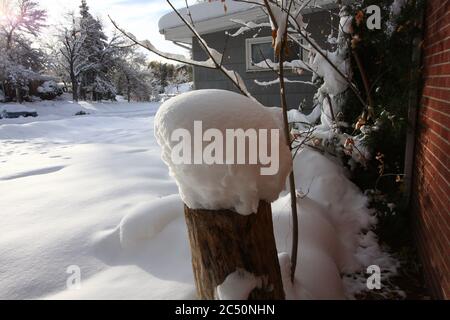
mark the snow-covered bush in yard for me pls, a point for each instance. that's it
(49, 90)
(222, 186)
(333, 71)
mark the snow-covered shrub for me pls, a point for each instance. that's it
(49, 90)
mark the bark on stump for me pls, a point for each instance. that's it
(223, 241)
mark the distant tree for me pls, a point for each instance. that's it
(99, 67)
(182, 75)
(20, 16)
(70, 61)
(20, 62)
(132, 77)
(96, 50)
(164, 73)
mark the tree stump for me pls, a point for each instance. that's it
(223, 241)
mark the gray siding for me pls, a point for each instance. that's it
(234, 59)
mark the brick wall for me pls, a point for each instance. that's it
(431, 189)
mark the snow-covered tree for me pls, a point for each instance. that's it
(99, 67)
(181, 76)
(96, 50)
(20, 16)
(131, 75)
(164, 73)
(69, 61)
(20, 62)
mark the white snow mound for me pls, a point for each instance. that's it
(149, 220)
(238, 285)
(239, 187)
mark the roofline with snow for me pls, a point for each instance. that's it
(178, 32)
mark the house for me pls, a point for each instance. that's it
(242, 52)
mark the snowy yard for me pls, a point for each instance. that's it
(65, 181)
(92, 191)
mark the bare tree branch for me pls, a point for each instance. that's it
(233, 76)
(293, 191)
(147, 45)
(319, 51)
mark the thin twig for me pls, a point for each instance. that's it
(365, 82)
(189, 12)
(207, 50)
(271, 15)
(224, 49)
(319, 51)
(316, 48)
(161, 54)
(331, 108)
(293, 191)
(267, 64)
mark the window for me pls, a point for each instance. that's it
(260, 49)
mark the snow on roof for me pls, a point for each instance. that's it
(204, 11)
(212, 16)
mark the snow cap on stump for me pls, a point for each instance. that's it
(238, 187)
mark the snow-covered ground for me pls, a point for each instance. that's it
(91, 191)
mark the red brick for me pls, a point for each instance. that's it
(438, 81)
(442, 44)
(438, 69)
(438, 31)
(438, 57)
(434, 8)
(430, 195)
(431, 183)
(437, 115)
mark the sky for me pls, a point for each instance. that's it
(139, 17)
